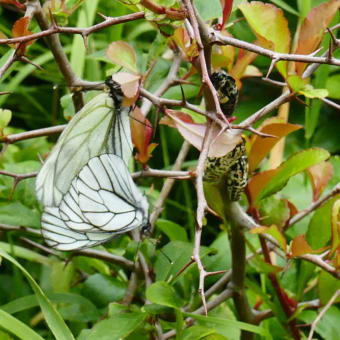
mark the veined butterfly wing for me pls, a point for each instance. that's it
(103, 202)
(101, 126)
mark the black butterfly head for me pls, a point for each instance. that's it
(227, 91)
(115, 91)
(146, 228)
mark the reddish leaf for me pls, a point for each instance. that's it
(258, 182)
(320, 174)
(275, 232)
(141, 130)
(299, 246)
(130, 86)
(182, 39)
(227, 6)
(335, 227)
(260, 146)
(313, 29)
(14, 3)
(270, 27)
(20, 29)
(292, 208)
(121, 53)
(241, 64)
(223, 56)
(194, 134)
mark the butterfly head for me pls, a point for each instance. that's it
(115, 91)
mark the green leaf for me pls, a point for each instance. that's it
(117, 327)
(173, 230)
(17, 214)
(333, 86)
(327, 327)
(310, 92)
(17, 327)
(285, 6)
(26, 254)
(5, 117)
(318, 236)
(328, 285)
(121, 53)
(179, 253)
(162, 293)
(197, 332)
(52, 317)
(208, 9)
(102, 289)
(292, 166)
(226, 326)
(274, 211)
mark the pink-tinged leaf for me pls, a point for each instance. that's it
(182, 39)
(223, 56)
(252, 71)
(292, 208)
(274, 232)
(335, 227)
(227, 6)
(299, 246)
(313, 28)
(14, 3)
(320, 174)
(260, 146)
(130, 86)
(121, 53)
(243, 61)
(20, 29)
(270, 27)
(194, 134)
(141, 130)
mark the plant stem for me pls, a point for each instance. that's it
(238, 250)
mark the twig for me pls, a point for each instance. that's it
(163, 174)
(218, 38)
(17, 179)
(300, 215)
(330, 103)
(322, 313)
(32, 134)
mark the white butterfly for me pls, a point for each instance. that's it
(87, 191)
(101, 126)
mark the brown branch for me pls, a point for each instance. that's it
(109, 21)
(300, 215)
(218, 38)
(171, 13)
(32, 134)
(163, 174)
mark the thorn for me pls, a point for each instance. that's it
(215, 273)
(53, 21)
(313, 54)
(332, 36)
(184, 101)
(103, 16)
(15, 183)
(213, 212)
(183, 81)
(26, 60)
(261, 134)
(40, 159)
(272, 64)
(274, 82)
(84, 36)
(5, 92)
(301, 101)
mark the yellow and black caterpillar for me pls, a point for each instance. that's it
(232, 167)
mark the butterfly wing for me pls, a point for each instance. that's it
(94, 130)
(103, 202)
